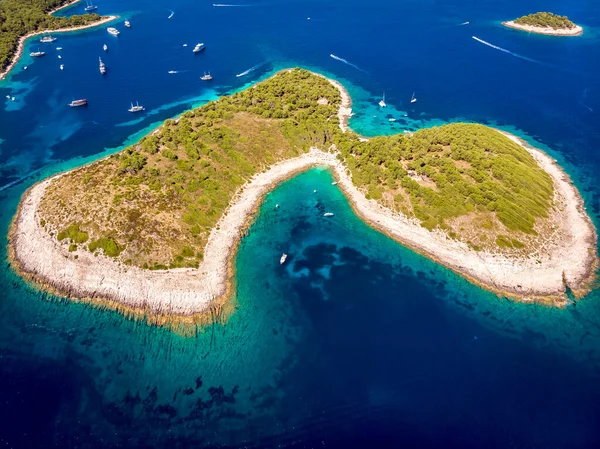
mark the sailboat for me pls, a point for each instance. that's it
(105, 47)
(206, 77)
(382, 102)
(62, 66)
(413, 98)
(37, 54)
(90, 6)
(136, 108)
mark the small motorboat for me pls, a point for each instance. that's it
(127, 24)
(282, 259)
(328, 214)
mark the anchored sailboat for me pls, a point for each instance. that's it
(136, 108)
(413, 98)
(382, 102)
(90, 6)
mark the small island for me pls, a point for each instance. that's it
(154, 229)
(20, 20)
(545, 23)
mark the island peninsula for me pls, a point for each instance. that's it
(154, 229)
(20, 20)
(545, 23)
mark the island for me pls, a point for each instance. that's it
(545, 23)
(153, 230)
(20, 20)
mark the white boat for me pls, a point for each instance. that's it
(25, 68)
(105, 47)
(113, 31)
(127, 23)
(206, 77)
(90, 6)
(198, 48)
(334, 183)
(58, 48)
(282, 259)
(413, 99)
(328, 214)
(392, 119)
(47, 39)
(8, 96)
(185, 45)
(12, 98)
(37, 54)
(59, 57)
(382, 102)
(171, 72)
(102, 66)
(62, 66)
(136, 108)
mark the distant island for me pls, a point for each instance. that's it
(545, 23)
(20, 20)
(154, 229)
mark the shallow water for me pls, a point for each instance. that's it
(355, 341)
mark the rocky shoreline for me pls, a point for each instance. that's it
(577, 31)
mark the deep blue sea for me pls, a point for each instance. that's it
(355, 341)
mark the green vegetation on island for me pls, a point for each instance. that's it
(546, 20)
(153, 205)
(21, 17)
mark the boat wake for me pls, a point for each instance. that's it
(345, 61)
(172, 13)
(251, 69)
(16, 181)
(516, 55)
(225, 5)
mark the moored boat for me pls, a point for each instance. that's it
(113, 31)
(282, 259)
(90, 7)
(76, 103)
(37, 54)
(62, 66)
(105, 47)
(198, 48)
(47, 39)
(328, 214)
(136, 108)
(206, 77)
(413, 99)
(127, 23)
(102, 66)
(382, 102)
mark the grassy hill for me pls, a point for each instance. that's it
(154, 204)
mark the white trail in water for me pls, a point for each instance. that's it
(172, 13)
(224, 5)
(251, 69)
(516, 55)
(345, 61)
(16, 181)
(464, 23)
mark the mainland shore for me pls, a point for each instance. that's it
(549, 31)
(23, 39)
(567, 260)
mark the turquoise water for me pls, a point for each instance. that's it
(355, 341)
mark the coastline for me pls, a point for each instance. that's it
(577, 31)
(23, 39)
(193, 296)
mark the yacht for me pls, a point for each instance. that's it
(413, 99)
(328, 214)
(282, 259)
(58, 48)
(76, 103)
(198, 48)
(136, 108)
(206, 76)
(334, 183)
(127, 24)
(171, 72)
(47, 39)
(59, 57)
(90, 6)
(37, 54)
(105, 47)
(62, 66)
(113, 31)
(102, 66)
(382, 102)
